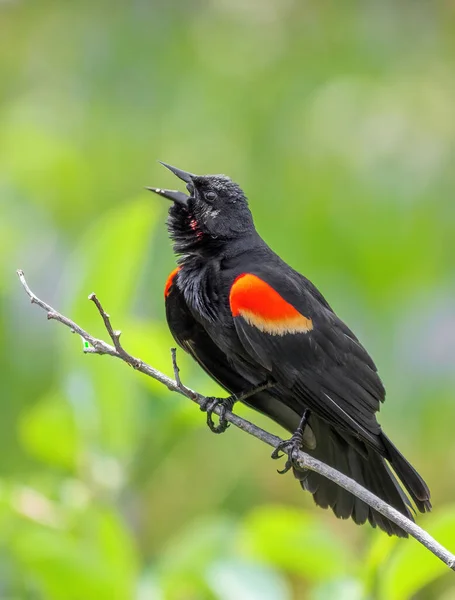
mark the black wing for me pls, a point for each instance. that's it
(326, 367)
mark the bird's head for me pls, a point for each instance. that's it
(214, 212)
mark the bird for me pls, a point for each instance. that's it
(268, 336)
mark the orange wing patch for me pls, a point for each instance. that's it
(170, 281)
(263, 307)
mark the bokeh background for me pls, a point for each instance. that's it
(338, 119)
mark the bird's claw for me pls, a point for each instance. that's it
(209, 405)
(290, 447)
(287, 467)
(278, 452)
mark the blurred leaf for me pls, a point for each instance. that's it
(94, 560)
(412, 567)
(448, 594)
(148, 587)
(48, 431)
(343, 589)
(296, 541)
(36, 153)
(380, 550)
(203, 541)
(182, 564)
(113, 253)
(110, 256)
(234, 580)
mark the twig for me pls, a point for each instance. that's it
(185, 391)
(114, 335)
(304, 460)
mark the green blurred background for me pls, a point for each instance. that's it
(338, 119)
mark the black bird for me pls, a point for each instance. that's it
(254, 323)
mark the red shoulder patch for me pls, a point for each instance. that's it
(170, 281)
(263, 307)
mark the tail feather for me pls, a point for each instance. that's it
(412, 481)
(354, 468)
(346, 503)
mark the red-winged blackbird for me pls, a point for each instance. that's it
(252, 322)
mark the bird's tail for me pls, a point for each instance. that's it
(366, 466)
(356, 460)
(412, 481)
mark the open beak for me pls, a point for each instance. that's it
(174, 195)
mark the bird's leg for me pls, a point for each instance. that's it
(227, 404)
(294, 444)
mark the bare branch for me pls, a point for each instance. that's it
(304, 460)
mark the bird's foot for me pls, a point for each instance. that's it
(225, 405)
(292, 446)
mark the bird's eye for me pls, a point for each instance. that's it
(210, 196)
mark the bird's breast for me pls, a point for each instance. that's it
(199, 283)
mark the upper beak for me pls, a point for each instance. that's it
(173, 195)
(183, 175)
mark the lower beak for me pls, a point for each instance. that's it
(173, 195)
